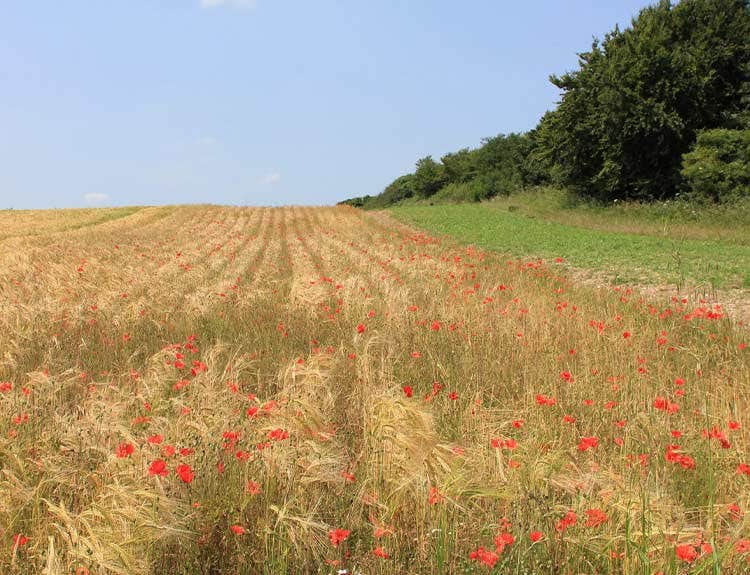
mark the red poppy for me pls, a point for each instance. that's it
(124, 450)
(185, 472)
(278, 434)
(337, 536)
(485, 556)
(435, 496)
(587, 443)
(252, 488)
(686, 553)
(569, 520)
(595, 517)
(158, 467)
(503, 540)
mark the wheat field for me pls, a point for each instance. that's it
(320, 390)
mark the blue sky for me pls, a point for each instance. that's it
(267, 102)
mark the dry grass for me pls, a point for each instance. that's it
(456, 414)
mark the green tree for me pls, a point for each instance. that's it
(460, 166)
(428, 178)
(718, 167)
(639, 97)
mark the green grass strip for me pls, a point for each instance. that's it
(624, 257)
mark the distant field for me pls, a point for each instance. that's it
(634, 244)
(194, 390)
(18, 223)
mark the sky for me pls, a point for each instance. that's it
(267, 102)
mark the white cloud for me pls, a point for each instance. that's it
(95, 198)
(232, 3)
(268, 179)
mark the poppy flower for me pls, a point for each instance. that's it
(158, 467)
(124, 450)
(734, 511)
(361, 328)
(337, 536)
(587, 443)
(536, 536)
(686, 553)
(569, 520)
(408, 391)
(19, 540)
(278, 434)
(238, 529)
(545, 400)
(503, 540)
(484, 556)
(595, 517)
(380, 552)
(185, 472)
(435, 496)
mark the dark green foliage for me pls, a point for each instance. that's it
(626, 118)
(639, 98)
(400, 189)
(357, 202)
(428, 178)
(502, 165)
(718, 167)
(460, 166)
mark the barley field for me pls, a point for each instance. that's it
(192, 390)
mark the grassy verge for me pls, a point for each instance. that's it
(630, 244)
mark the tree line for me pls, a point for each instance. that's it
(657, 109)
